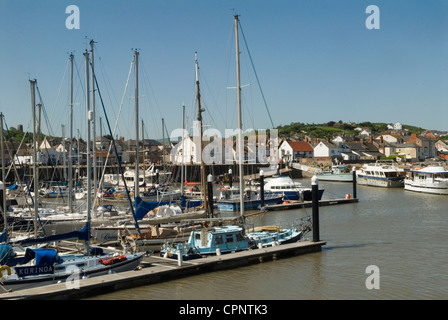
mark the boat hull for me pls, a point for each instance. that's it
(234, 205)
(379, 182)
(442, 189)
(48, 279)
(348, 177)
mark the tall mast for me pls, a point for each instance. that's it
(95, 178)
(200, 110)
(89, 163)
(137, 173)
(70, 157)
(182, 173)
(3, 172)
(240, 121)
(36, 190)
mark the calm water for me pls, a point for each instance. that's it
(403, 233)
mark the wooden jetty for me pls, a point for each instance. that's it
(157, 269)
(287, 205)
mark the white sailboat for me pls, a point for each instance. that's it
(40, 267)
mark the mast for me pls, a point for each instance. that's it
(70, 157)
(182, 173)
(240, 122)
(3, 173)
(137, 173)
(89, 161)
(95, 178)
(200, 110)
(35, 179)
(143, 150)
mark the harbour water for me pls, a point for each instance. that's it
(401, 233)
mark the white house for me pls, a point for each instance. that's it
(184, 152)
(294, 150)
(328, 149)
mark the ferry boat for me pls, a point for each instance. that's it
(339, 173)
(431, 179)
(381, 174)
(288, 189)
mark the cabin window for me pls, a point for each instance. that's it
(229, 238)
(239, 236)
(218, 239)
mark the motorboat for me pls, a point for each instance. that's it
(431, 179)
(381, 174)
(289, 189)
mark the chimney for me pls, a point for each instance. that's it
(370, 139)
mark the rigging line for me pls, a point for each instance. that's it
(118, 116)
(60, 88)
(118, 158)
(256, 76)
(24, 177)
(47, 120)
(146, 84)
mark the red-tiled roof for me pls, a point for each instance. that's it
(301, 146)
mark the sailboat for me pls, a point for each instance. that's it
(44, 266)
(148, 213)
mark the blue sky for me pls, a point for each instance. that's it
(316, 61)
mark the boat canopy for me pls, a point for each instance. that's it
(84, 234)
(143, 207)
(42, 256)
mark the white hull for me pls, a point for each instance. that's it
(426, 189)
(348, 177)
(381, 174)
(432, 179)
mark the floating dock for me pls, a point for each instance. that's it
(308, 204)
(157, 269)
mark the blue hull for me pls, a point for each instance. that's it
(295, 195)
(234, 205)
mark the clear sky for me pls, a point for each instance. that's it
(316, 61)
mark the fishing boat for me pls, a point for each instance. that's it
(209, 241)
(431, 179)
(338, 173)
(289, 189)
(381, 174)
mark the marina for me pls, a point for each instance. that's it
(328, 210)
(402, 233)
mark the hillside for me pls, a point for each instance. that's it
(329, 129)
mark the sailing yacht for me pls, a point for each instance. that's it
(43, 266)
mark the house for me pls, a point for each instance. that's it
(365, 150)
(184, 152)
(390, 138)
(412, 151)
(427, 145)
(326, 149)
(293, 151)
